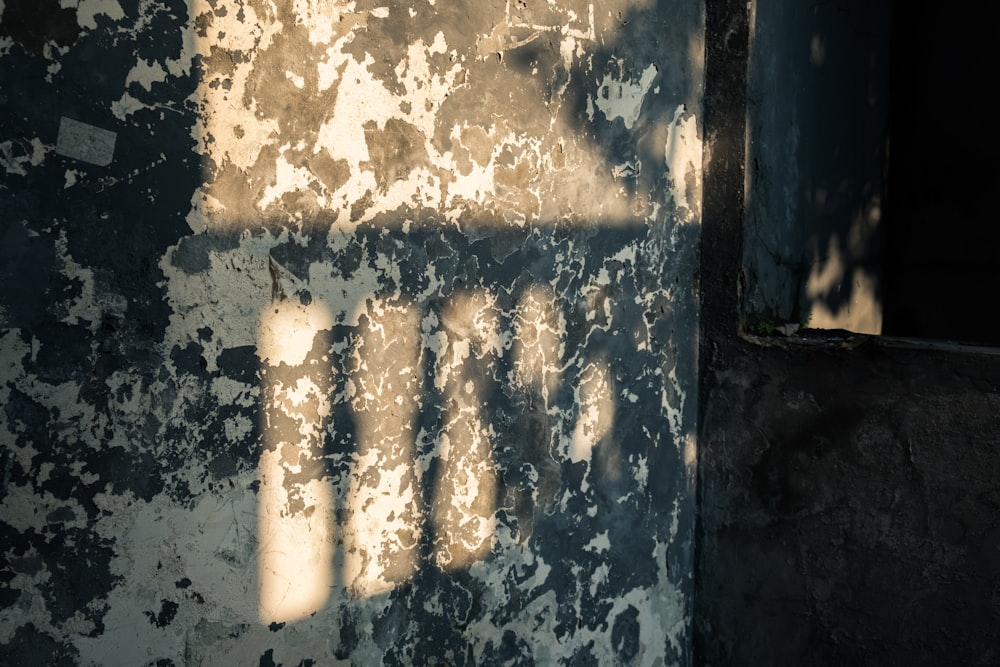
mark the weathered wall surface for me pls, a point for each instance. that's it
(848, 488)
(849, 509)
(349, 332)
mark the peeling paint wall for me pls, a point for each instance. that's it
(348, 332)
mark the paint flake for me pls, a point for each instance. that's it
(623, 98)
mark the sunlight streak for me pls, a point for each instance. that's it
(464, 508)
(538, 345)
(595, 400)
(384, 517)
(295, 517)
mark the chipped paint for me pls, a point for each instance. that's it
(17, 157)
(373, 342)
(87, 11)
(620, 96)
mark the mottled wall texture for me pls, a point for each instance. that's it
(348, 332)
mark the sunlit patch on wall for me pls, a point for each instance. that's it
(841, 275)
(295, 517)
(595, 401)
(464, 507)
(384, 517)
(538, 346)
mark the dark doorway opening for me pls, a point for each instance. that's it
(941, 272)
(871, 171)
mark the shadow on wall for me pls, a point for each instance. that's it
(403, 412)
(430, 346)
(490, 416)
(384, 414)
(403, 473)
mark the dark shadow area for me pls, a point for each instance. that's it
(869, 171)
(847, 489)
(817, 118)
(943, 231)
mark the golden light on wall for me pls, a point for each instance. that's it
(383, 514)
(295, 521)
(538, 343)
(384, 518)
(595, 400)
(464, 509)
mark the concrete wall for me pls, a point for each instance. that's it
(352, 332)
(848, 486)
(849, 508)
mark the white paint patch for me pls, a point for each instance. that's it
(326, 69)
(88, 10)
(288, 178)
(157, 544)
(27, 508)
(15, 164)
(626, 169)
(232, 392)
(661, 611)
(146, 73)
(287, 329)
(83, 309)
(342, 134)
(599, 544)
(126, 106)
(439, 45)
(321, 17)
(595, 397)
(683, 153)
(84, 142)
(623, 98)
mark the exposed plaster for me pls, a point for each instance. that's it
(405, 361)
(622, 97)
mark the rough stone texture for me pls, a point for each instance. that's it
(374, 342)
(847, 485)
(858, 525)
